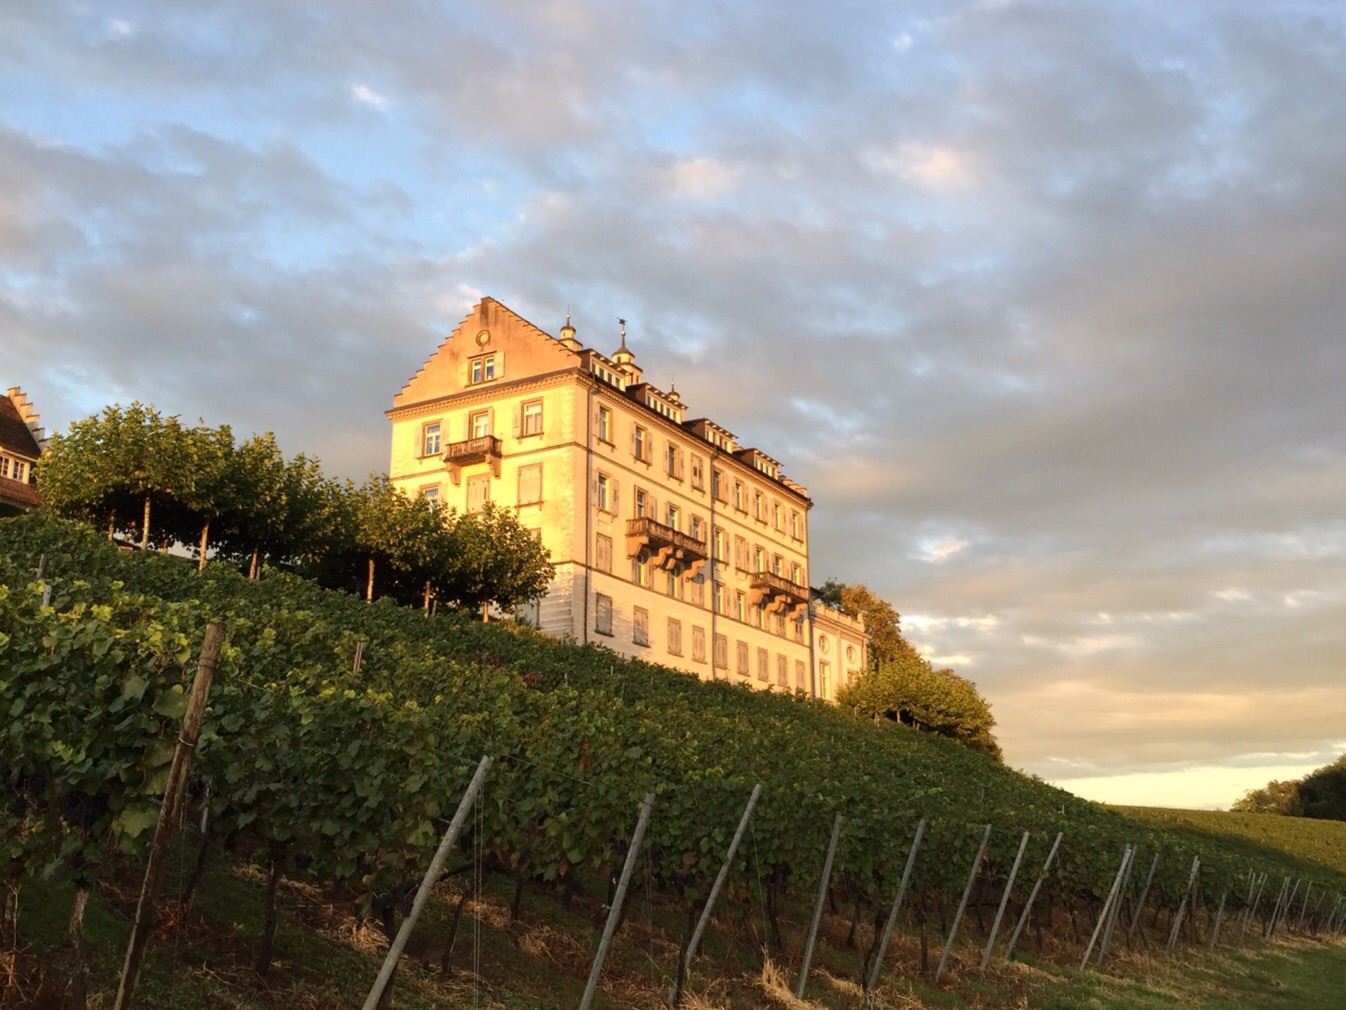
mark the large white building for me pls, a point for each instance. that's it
(671, 541)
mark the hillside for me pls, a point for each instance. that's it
(340, 735)
(1317, 845)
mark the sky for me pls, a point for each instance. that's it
(1043, 301)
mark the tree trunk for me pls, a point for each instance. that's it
(265, 952)
(79, 982)
(198, 871)
(111, 525)
(425, 606)
(205, 540)
(369, 586)
(145, 527)
(252, 568)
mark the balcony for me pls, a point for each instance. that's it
(668, 546)
(780, 594)
(484, 449)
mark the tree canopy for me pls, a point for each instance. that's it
(903, 685)
(155, 481)
(1320, 794)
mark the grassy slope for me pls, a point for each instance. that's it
(1315, 845)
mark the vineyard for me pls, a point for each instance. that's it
(340, 737)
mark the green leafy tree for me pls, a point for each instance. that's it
(883, 624)
(1322, 794)
(1276, 797)
(108, 467)
(909, 690)
(488, 557)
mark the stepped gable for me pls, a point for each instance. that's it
(489, 328)
(17, 435)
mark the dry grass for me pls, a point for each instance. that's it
(778, 990)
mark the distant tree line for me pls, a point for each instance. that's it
(1321, 795)
(154, 482)
(904, 686)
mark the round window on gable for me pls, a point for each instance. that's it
(850, 654)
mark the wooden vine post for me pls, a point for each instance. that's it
(723, 875)
(1004, 901)
(1032, 896)
(615, 913)
(818, 908)
(872, 982)
(428, 882)
(1182, 906)
(1107, 907)
(168, 812)
(962, 905)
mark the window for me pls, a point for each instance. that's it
(698, 645)
(799, 675)
(605, 425)
(698, 473)
(759, 506)
(602, 614)
(697, 529)
(777, 565)
(478, 492)
(640, 444)
(778, 624)
(740, 554)
(741, 659)
(759, 615)
(431, 494)
(782, 671)
(604, 499)
(674, 461)
(796, 575)
(718, 544)
(799, 629)
(719, 597)
(430, 440)
(479, 424)
(824, 675)
(758, 558)
(640, 626)
(644, 504)
(675, 637)
(640, 568)
(603, 552)
(763, 666)
(794, 525)
(674, 517)
(740, 607)
(721, 652)
(483, 369)
(696, 591)
(740, 497)
(532, 418)
(776, 513)
(530, 484)
(717, 485)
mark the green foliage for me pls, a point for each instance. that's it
(1276, 797)
(883, 624)
(1322, 795)
(350, 776)
(909, 690)
(129, 466)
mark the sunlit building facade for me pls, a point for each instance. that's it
(672, 542)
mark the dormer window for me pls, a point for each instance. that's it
(484, 368)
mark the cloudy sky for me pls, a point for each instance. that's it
(1043, 301)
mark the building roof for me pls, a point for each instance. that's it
(17, 435)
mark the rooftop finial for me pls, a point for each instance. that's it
(568, 334)
(622, 323)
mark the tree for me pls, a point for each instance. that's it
(1322, 794)
(107, 467)
(489, 557)
(908, 689)
(1275, 797)
(883, 624)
